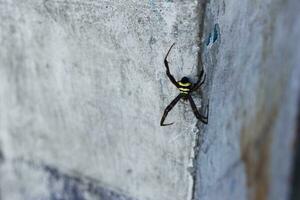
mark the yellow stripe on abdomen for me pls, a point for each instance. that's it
(184, 84)
(184, 89)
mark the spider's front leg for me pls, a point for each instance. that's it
(171, 77)
(199, 82)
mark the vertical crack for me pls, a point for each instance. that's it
(193, 171)
(202, 10)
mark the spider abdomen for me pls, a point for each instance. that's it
(184, 88)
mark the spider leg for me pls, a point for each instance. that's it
(199, 82)
(168, 109)
(203, 119)
(171, 77)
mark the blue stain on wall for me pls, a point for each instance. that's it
(208, 40)
(74, 187)
(213, 36)
(62, 186)
(216, 32)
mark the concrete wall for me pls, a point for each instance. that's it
(246, 150)
(83, 87)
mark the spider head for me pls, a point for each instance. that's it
(185, 80)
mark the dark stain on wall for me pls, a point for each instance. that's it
(257, 133)
(256, 140)
(295, 185)
(75, 187)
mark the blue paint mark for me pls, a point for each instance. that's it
(216, 32)
(208, 39)
(213, 36)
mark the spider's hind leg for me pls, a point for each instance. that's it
(168, 109)
(203, 119)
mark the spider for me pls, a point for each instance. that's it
(185, 88)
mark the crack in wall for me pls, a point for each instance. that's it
(196, 148)
(193, 170)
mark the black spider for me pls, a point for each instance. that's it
(186, 88)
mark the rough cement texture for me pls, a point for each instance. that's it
(252, 55)
(83, 87)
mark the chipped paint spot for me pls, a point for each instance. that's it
(208, 39)
(213, 36)
(216, 33)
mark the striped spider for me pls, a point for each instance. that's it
(185, 88)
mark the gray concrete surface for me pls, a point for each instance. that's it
(246, 150)
(83, 87)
